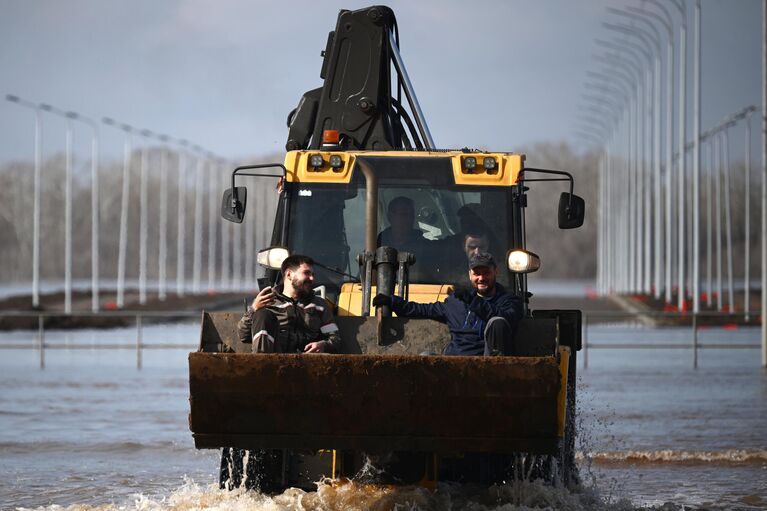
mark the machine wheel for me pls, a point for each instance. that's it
(259, 470)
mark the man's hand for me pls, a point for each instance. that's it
(316, 347)
(464, 293)
(264, 298)
(380, 300)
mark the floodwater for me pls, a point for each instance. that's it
(90, 431)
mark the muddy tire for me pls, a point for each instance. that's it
(259, 470)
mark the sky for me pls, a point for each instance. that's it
(225, 74)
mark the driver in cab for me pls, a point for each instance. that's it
(401, 233)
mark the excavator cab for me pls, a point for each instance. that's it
(417, 196)
(381, 211)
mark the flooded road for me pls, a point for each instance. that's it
(92, 432)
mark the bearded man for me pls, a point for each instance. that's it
(481, 318)
(290, 318)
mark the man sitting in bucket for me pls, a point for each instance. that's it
(481, 318)
(290, 318)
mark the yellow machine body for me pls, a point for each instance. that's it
(507, 171)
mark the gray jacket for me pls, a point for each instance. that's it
(301, 322)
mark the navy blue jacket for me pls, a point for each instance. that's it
(466, 322)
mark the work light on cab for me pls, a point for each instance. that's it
(490, 164)
(316, 161)
(522, 261)
(336, 162)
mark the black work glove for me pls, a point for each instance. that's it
(380, 300)
(464, 293)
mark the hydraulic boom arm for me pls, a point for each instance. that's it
(356, 98)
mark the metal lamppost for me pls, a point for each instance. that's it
(727, 215)
(197, 247)
(696, 167)
(212, 220)
(598, 141)
(94, 206)
(597, 131)
(717, 170)
(642, 178)
(612, 108)
(652, 40)
(679, 4)
(163, 242)
(747, 219)
(181, 218)
(680, 8)
(601, 239)
(143, 216)
(712, 165)
(619, 228)
(632, 80)
(624, 227)
(604, 109)
(226, 236)
(128, 130)
(35, 196)
(668, 22)
(68, 116)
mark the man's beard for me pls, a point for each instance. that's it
(302, 287)
(488, 290)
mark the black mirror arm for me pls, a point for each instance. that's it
(236, 172)
(556, 173)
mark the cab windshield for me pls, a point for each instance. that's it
(420, 210)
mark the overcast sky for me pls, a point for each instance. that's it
(225, 73)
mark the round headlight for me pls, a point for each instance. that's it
(469, 163)
(272, 257)
(522, 261)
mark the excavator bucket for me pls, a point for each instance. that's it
(377, 400)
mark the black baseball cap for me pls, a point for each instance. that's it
(481, 259)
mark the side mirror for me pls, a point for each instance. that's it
(233, 204)
(571, 211)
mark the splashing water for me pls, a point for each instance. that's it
(350, 496)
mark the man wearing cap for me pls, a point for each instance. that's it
(481, 318)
